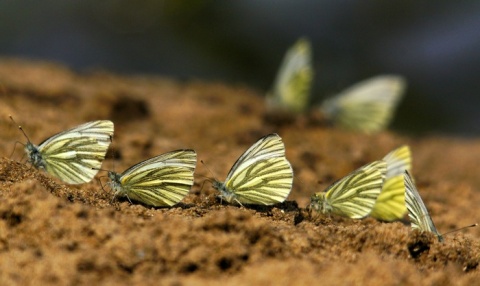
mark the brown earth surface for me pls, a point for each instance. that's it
(54, 233)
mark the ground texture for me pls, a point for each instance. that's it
(55, 233)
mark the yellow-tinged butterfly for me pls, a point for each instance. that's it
(291, 89)
(390, 204)
(160, 181)
(261, 176)
(75, 155)
(419, 217)
(354, 195)
(367, 106)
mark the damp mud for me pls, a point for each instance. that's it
(59, 234)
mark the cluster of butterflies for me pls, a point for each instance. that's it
(262, 175)
(367, 106)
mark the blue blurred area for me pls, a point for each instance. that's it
(435, 45)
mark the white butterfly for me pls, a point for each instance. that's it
(419, 217)
(291, 90)
(262, 175)
(354, 195)
(161, 181)
(367, 106)
(75, 155)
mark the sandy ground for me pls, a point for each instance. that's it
(61, 234)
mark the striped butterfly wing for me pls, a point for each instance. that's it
(262, 175)
(390, 204)
(419, 217)
(163, 180)
(354, 195)
(368, 106)
(291, 90)
(75, 155)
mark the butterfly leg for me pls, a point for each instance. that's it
(235, 199)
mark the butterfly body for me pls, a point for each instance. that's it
(262, 175)
(321, 203)
(74, 155)
(354, 195)
(160, 181)
(34, 155)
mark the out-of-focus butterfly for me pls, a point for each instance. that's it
(367, 106)
(75, 155)
(291, 89)
(419, 217)
(261, 176)
(161, 181)
(354, 195)
(390, 203)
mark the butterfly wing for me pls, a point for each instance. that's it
(419, 217)
(367, 106)
(390, 204)
(291, 90)
(355, 194)
(262, 175)
(398, 161)
(163, 180)
(75, 155)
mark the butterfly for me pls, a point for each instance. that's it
(160, 181)
(291, 89)
(419, 217)
(261, 176)
(354, 195)
(390, 203)
(367, 106)
(75, 155)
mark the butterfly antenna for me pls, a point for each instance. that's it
(113, 153)
(18, 142)
(15, 147)
(19, 127)
(203, 183)
(208, 169)
(100, 169)
(100, 182)
(458, 229)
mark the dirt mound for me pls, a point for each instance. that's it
(55, 233)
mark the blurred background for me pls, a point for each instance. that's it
(435, 45)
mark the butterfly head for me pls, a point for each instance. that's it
(225, 194)
(319, 203)
(115, 182)
(34, 155)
